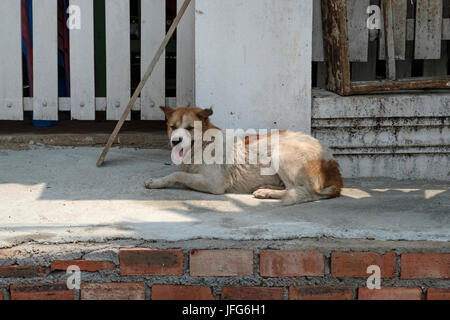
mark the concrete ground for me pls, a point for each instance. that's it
(58, 195)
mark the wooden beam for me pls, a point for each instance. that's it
(82, 70)
(428, 29)
(399, 11)
(389, 36)
(401, 84)
(358, 33)
(45, 57)
(317, 40)
(100, 104)
(118, 57)
(334, 19)
(11, 86)
(153, 29)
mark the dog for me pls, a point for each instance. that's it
(306, 171)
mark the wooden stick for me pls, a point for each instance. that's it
(142, 83)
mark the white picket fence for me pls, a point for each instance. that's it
(83, 102)
(428, 30)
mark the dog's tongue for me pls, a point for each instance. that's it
(177, 155)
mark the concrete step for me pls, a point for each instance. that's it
(402, 135)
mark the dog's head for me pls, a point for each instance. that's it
(181, 123)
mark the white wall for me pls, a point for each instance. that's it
(253, 62)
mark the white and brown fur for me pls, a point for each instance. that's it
(307, 169)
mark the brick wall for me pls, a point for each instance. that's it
(231, 274)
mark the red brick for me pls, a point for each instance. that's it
(160, 292)
(142, 262)
(113, 291)
(320, 293)
(84, 265)
(390, 294)
(252, 293)
(354, 264)
(425, 266)
(52, 291)
(22, 272)
(221, 263)
(1, 295)
(438, 294)
(291, 263)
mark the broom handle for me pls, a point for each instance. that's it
(141, 85)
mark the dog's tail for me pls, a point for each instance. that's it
(333, 183)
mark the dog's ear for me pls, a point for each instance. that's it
(168, 111)
(205, 113)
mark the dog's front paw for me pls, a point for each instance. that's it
(154, 184)
(148, 183)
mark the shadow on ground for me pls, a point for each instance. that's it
(59, 195)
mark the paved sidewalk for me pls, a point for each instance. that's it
(58, 195)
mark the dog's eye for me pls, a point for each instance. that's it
(189, 128)
(173, 127)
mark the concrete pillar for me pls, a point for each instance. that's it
(253, 62)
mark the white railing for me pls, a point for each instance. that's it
(83, 102)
